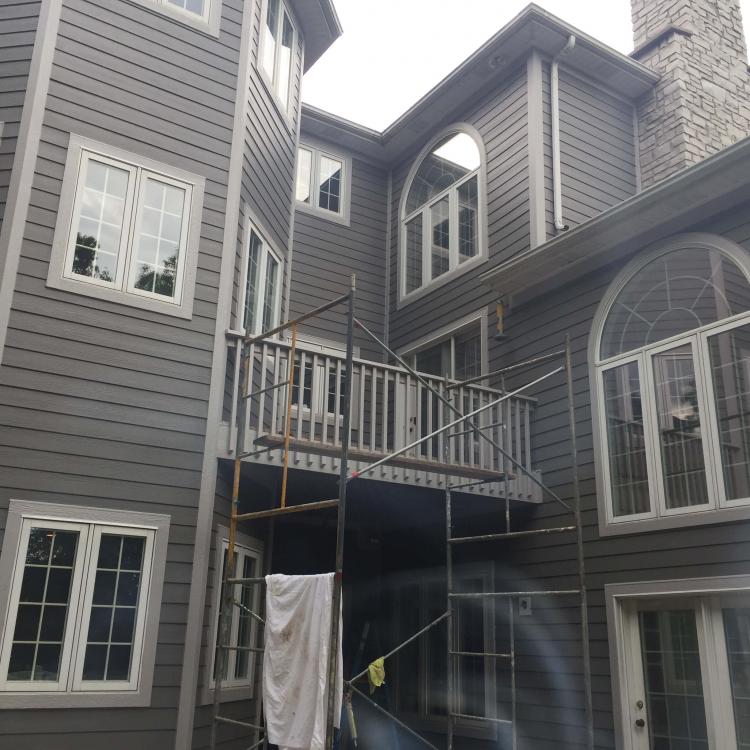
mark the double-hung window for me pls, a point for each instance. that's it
(673, 388)
(127, 229)
(261, 290)
(277, 46)
(78, 606)
(240, 662)
(323, 182)
(441, 216)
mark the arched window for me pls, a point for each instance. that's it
(671, 355)
(441, 211)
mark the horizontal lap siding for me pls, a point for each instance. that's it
(597, 149)
(549, 667)
(501, 119)
(103, 404)
(327, 253)
(18, 22)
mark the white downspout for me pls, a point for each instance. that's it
(555, 96)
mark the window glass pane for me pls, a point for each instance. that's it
(158, 246)
(329, 193)
(408, 661)
(193, 6)
(304, 173)
(100, 224)
(675, 293)
(467, 220)
(270, 293)
(440, 228)
(43, 605)
(730, 369)
(111, 628)
(679, 421)
(227, 654)
(414, 254)
(453, 158)
(244, 625)
(625, 440)
(251, 282)
(285, 60)
(737, 632)
(435, 360)
(674, 685)
(270, 31)
(470, 636)
(468, 354)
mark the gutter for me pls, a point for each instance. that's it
(560, 226)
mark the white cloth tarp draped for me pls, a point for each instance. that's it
(295, 660)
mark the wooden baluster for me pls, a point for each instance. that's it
(373, 407)
(362, 375)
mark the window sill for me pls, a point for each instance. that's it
(185, 310)
(676, 521)
(321, 213)
(228, 694)
(406, 299)
(209, 27)
(103, 699)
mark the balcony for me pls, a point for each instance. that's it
(391, 409)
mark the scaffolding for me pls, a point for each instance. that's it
(455, 424)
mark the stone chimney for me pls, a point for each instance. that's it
(702, 102)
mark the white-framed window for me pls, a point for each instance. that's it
(420, 670)
(202, 14)
(323, 182)
(277, 46)
(442, 214)
(459, 354)
(263, 276)
(240, 666)
(671, 371)
(679, 653)
(82, 601)
(127, 229)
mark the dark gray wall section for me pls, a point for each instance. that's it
(501, 119)
(597, 149)
(550, 685)
(327, 253)
(101, 404)
(18, 22)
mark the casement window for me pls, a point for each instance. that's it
(672, 377)
(240, 664)
(127, 229)
(680, 664)
(277, 45)
(420, 669)
(79, 595)
(442, 214)
(261, 291)
(323, 182)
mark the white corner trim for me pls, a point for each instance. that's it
(24, 161)
(202, 547)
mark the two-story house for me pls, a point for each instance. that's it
(164, 193)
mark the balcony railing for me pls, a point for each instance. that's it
(390, 409)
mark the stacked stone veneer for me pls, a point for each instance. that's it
(702, 101)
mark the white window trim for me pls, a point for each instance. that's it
(208, 23)
(59, 277)
(232, 690)
(617, 598)
(719, 510)
(318, 150)
(270, 82)
(451, 330)
(266, 251)
(86, 695)
(482, 255)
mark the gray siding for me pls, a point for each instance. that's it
(18, 22)
(326, 253)
(101, 404)
(549, 664)
(501, 119)
(597, 149)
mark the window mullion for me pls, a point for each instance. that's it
(426, 247)
(651, 433)
(453, 228)
(78, 648)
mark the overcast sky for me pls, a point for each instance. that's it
(394, 51)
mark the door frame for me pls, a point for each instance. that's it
(624, 646)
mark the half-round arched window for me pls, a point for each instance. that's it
(441, 210)
(671, 350)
